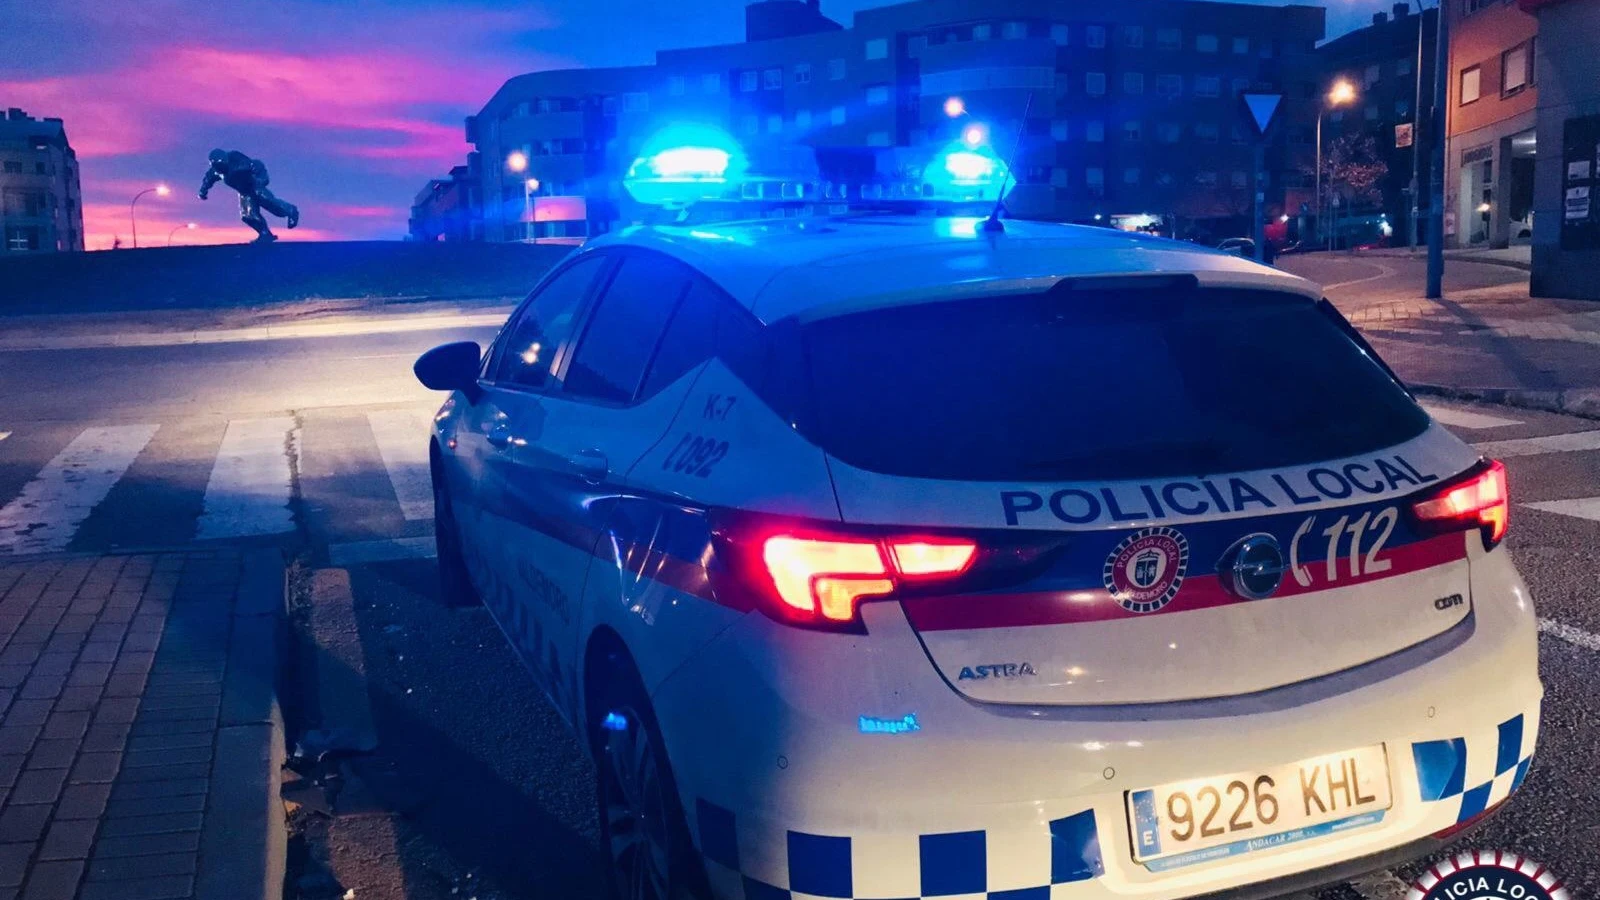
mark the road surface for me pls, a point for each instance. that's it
(318, 445)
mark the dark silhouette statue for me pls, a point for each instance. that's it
(249, 177)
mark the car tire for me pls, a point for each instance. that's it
(644, 836)
(455, 585)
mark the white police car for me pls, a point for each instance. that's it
(896, 557)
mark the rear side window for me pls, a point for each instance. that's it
(1097, 384)
(545, 320)
(690, 340)
(627, 324)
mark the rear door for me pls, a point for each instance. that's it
(1185, 493)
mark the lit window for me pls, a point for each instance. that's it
(1094, 131)
(1015, 31)
(1514, 66)
(772, 79)
(1207, 132)
(1169, 132)
(1094, 177)
(836, 115)
(1059, 130)
(1060, 177)
(1205, 177)
(711, 84)
(676, 85)
(877, 95)
(982, 32)
(1094, 35)
(1372, 74)
(1131, 131)
(1240, 85)
(1133, 36)
(1169, 85)
(774, 124)
(802, 73)
(1205, 43)
(635, 101)
(836, 69)
(1240, 179)
(802, 120)
(1402, 66)
(1207, 86)
(878, 139)
(878, 48)
(1130, 175)
(1133, 82)
(1060, 34)
(1470, 84)
(1402, 108)
(1169, 38)
(1094, 83)
(1241, 45)
(749, 80)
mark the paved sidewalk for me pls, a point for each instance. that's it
(1518, 257)
(139, 733)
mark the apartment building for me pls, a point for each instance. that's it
(41, 207)
(1103, 111)
(1492, 117)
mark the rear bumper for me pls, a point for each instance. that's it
(801, 771)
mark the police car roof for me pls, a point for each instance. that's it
(815, 267)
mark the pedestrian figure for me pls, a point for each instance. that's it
(249, 177)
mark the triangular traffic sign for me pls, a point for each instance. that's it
(1262, 108)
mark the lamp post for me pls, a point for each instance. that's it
(1341, 93)
(529, 188)
(517, 163)
(160, 190)
(177, 228)
(1415, 189)
(1441, 97)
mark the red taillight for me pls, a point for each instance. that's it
(1476, 500)
(815, 574)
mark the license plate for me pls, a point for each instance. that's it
(1188, 822)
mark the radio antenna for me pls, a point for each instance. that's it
(992, 224)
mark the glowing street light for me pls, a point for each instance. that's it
(177, 228)
(532, 184)
(1342, 92)
(955, 107)
(160, 190)
(974, 135)
(517, 161)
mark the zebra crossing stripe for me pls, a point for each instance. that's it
(402, 437)
(1460, 418)
(251, 482)
(1571, 442)
(46, 514)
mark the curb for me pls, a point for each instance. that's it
(1581, 402)
(347, 328)
(1448, 258)
(244, 841)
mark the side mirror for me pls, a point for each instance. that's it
(450, 367)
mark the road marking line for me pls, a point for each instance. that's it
(251, 482)
(1552, 443)
(388, 550)
(46, 515)
(402, 436)
(1460, 418)
(1575, 636)
(1582, 508)
(1383, 272)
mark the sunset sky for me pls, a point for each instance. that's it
(353, 104)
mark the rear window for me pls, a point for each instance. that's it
(1097, 384)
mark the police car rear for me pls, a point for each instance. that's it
(1207, 599)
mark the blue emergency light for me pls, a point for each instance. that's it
(965, 172)
(683, 164)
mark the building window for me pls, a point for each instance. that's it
(13, 167)
(1402, 108)
(1094, 83)
(1470, 84)
(1169, 132)
(836, 115)
(749, 124)
(1132, 132)
(1514, 69)
(1241, 45)
(1060, 177)
(772, 79)
(1015, 31)
(1059, 130)
(1402, 66)
(1094, 131)
(676, 85)
(802, 120)
(1207, 132)
(608, 106)
(836, 69)
(635, 101)
(1094, 36)
(1133, 82)
(1164, 178)
(1473, 6)
(1205, 43)
(878, 139)
(1205, 177)
(1236, 134)
(1371, 76)
(1207, 86)
(982, 32)
(878, 48)
(711, 84)
(1130, 175)
(1095, 177)
(1239, 86)
(1240, 179)
(1264, 49)
(802, 73)
(1169, 38)
(1169, 85)
(749, 80)
(1133, 36)
(774, 124)
(1060, 34)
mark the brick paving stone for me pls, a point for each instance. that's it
(205, 722)
(106, 737)
(54, 753)
(138, 759)
(95, 768)
(116, 710)
(13, 676)
(144, 790)
(38, 786)
(23, 823)
(147, 844)
(69, 840)
(13, 863)
(54, 880)
(119, 868)
(159, 742)
(42, 687)
(162, 823)
(99, 652)
(18, 738)
(125, 685)
(66, 724)
(78, 697)
(166, 887)
(164, 773)
(83, 801)
(10, 769)
(157, 806)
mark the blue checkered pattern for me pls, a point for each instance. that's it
(1457, 769)
(744, 863)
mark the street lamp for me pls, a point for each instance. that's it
(974, 135)
(529, 188)
(1415, 189)
(955, 107)
(1341, 93)
(177, 228)
(160, 190)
